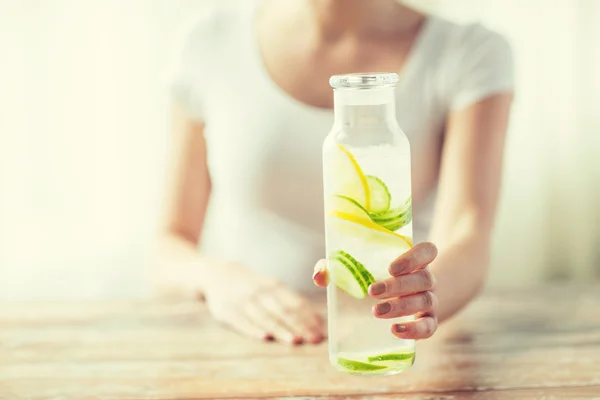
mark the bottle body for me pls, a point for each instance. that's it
(368, 223)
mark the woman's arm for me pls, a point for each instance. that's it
(182, 268)
(254, 305)
(186, 200)
(469, 186)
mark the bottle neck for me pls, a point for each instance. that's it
(372, 107)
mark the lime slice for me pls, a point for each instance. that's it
(392, 357)
(350, 181)
(368, 231)
(348, 205)
(353, 365)
(380, 195)
(349, 275)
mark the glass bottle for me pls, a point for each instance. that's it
(368, 221)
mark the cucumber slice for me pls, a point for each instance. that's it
(392, 357)
(396, 218)
(353, 365)
(346, 278)
(389, 215)
(348, 205)
(393, 224)
(349, 275)
(394, 213)
(366, 276)
(380, 195)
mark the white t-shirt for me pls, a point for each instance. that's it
(264, 147)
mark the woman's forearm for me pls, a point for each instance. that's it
(460, 270)
(181, 268)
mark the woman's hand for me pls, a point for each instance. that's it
(262, 308)
(408, 292)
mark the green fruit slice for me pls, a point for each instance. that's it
(348, 205)
(394, 213)
(396, 218)
(349, 275)
(396, 223)
(392, 357)
(380, 195)
(346, 278)
(366, 276)
(353, 365)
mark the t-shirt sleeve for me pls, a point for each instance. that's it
(486, 68)
(186, 69)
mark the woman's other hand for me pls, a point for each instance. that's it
(409, 291)
(262, 308)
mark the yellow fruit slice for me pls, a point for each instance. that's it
(368, 230)
(350, 181)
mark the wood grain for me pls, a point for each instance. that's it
(519, 344)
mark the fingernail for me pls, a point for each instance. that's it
(317, 339)
(297, 340)
(319, 266)
(269, 337)
(400, 328)
(377, 288)
(383, 308)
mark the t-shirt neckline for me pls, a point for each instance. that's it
(412, 61)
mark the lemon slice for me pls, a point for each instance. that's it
(368, 231)
(350, 181)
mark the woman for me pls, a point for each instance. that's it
(252, 107)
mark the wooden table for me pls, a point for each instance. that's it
(541, 343)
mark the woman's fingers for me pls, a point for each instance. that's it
(261, 318)
(320, 275)
(409, 290)
(293, 312)
(414, 259)
(405, 306)
(315, 324)
(273, 308)
(419, 281)
(244, 326)
(421, 328)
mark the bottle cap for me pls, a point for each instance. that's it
(364, 80)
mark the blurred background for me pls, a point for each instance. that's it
(84, 128)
